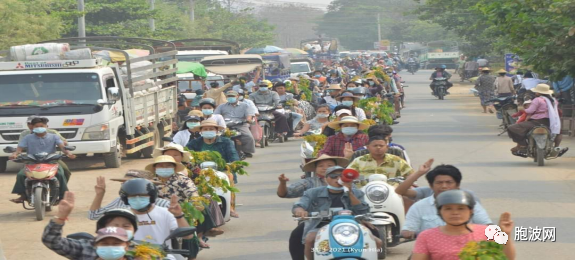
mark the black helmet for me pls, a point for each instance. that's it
(333, 72)
(454, 196)
(276, 80)
(209, 101)
(359, 90)
(214, 84)
(114, 213)
(138, 187)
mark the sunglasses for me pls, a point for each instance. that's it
(334, 176)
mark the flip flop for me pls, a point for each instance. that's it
(563, 151)
(17, 200)
(234, 215)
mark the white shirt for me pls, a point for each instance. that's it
(360, 114)
(219, 119)
(156, 229)
(330, 101)
(249, 86)
(182, 137)
(530, 83)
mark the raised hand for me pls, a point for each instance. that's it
(348, 150)
(175, 207)
(283, 179)
(100, 187)
(426, 166)
(505, 223)
(66, 205)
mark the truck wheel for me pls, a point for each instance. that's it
(3, 164)
(149, 151)
(114, 159)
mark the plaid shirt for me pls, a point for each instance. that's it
(69, 248)
(335, 144)
(296, 189)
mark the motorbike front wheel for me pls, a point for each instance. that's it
(440, 93)
(382, 254)
(540, 157)
(40, 195)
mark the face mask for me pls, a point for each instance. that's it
(130, 234)
(371, 83)
(111, 252)
(164, 172)
(317, 75)
(241, 98)
(322, 115)
(347, 103)
(209, 134)
(334, 188)
(192, 125)
(263, 89)
(138, 202)
(349, 130)
(39, 130)
(208, 111)
(232, 99)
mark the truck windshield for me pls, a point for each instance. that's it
(49, 89)
(300, 68)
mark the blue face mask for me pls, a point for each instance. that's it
(130, 234)
(39, 130)
(138, 202)
(192, 125)
(322, 115)
(207, 111)
(111, 252)
(209, 134)
(263, 89)
(347, 103)
(232, 99)
(349, 130)
(164, 172)
(334, 188)
(317, 75)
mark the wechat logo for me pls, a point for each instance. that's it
(493, 232)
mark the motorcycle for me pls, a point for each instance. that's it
(225, 197)
(343, 237)
(540, 146)
(440, 87)
(412, 68)
(233, 125)
(42, 186)
(386, 206)
(505, 107)
(266, 120)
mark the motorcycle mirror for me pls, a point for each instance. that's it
(9, 149)
(168, 139)
(181, 232)
(70, 148)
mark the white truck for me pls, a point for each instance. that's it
(112, 110)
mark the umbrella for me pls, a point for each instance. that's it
(195, 68)
(267, 49)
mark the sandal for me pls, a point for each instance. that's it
(214, 232)
(204, 245)
(19, 200)
(234, 214)
(563, 151)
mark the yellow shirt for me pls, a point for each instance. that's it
(392, 166)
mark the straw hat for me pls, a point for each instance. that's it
(138, 174)
(347, 95)
(208, 123)
(310, 166)
(348, 119)
(197, 113)
(186, 155)
(165, 159)
(334, 87)
(485, 69)
(501, 71)
(542, 88)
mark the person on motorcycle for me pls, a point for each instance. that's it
(112, 243)
(210, 141)
(504, 85)
(440, 72)
(208, 105)
(240, 111)
(318, 123)
(350, 137)
(39, 142)
(333, 91)
(456, 208)
(485, 85)
(334, 77)
(264, 96)
(375, 86)
(286, 97)
(248, 85)
(172, 177)
(423, 215)
(183, 136)
(334, 195)
(85, 249)
(349, 100)
(318, 75)
(340, 111)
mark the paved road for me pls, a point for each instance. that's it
(453, 131)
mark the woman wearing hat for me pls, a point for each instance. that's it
(349, 100)
(210, 141)
(330, 99)
(504, 84)
(485, 85)
(186, 134)
(339, 112)
(171, 182)
(542, 111)
(318, 123)
(350, 135)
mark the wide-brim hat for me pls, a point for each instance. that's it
(186, 155)
(502, 71)
(334, 87)
(137, 174)
(197, 113)
(165, 159)
(542, 88)
(348, 119)
(347, 95)
(310, 166)
(208, 123)
(485, 69)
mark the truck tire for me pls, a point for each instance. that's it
(3, 164)
(114, 159)
(149, 151)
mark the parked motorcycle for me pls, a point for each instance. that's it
(540, 146)
(42, 186)
(343, 237)
(234, 126)
(440, 87)
(505, 107)
(225, 197)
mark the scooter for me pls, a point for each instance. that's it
(412, 68)
(266, 120)
(386, 206)
(42, 186)
(233, 125)
(440, 85)
(225, 197)
(540, 146)
(343, 237)
(505, 107)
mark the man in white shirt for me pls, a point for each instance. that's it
(529, 82)
(482, 62)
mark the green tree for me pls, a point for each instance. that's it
(27, 21)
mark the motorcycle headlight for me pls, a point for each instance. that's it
(97, 132)
(377, 193)
(345, 234)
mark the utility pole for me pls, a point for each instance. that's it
(378, 28)
(151, 20)
(81, 20)
(192, 11)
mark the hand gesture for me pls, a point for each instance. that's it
(100, 187)
(425, 167)
(66, 205)
(505, 223)
(283, 179)
(175, 207)
(348, 150)
(300, 212)
(13, 156)
(71, 156)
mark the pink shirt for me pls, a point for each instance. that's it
(538, 109)
(439, 246)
